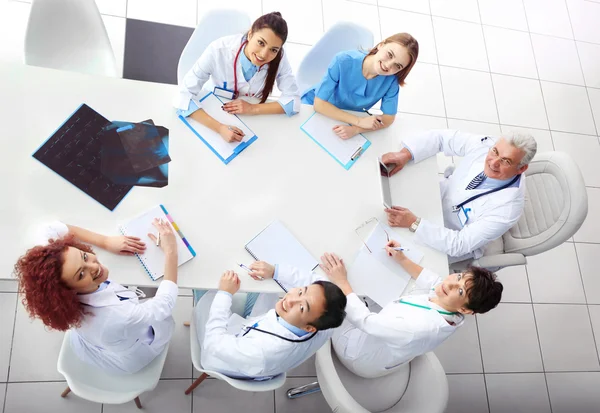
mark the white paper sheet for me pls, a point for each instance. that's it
(376, 242)
(320, 128)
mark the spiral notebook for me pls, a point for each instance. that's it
(153, 259)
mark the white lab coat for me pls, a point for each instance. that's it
(215, 67)
(374, 345)
(227, 350)
(121, 336)
(490, 216)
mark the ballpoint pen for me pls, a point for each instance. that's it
(249, 270)
(399, 249)
(370, 114)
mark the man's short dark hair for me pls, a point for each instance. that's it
(335, 307)
(483, 290)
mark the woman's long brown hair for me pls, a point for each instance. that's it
(412, 47)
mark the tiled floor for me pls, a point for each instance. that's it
(486, 66)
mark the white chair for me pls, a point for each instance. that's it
(214, 24)
(68, 35)
(341, 36)
(556, 205)
(96, 385)
(419, 387)
(247, 385)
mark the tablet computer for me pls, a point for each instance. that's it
(384, 178)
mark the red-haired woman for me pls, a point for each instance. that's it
(64, 285)
(356, 80)
(242, 65)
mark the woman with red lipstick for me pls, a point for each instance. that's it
(356, 80)
(243, 66)
(65, 286)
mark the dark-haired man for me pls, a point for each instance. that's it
(278, 334)
(373, 345)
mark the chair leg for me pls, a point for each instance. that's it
(300, 391)
(138, 403)
(196, 383)
(67, 391)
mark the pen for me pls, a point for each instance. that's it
(235, 131)
(370, 114)
(249, 270)
(399, 249)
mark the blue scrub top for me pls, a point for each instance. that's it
(345, 86)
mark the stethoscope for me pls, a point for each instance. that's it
(235, 83)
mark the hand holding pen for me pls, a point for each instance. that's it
(395, 251)
(231, 133)
(370, 122)
(259, 270)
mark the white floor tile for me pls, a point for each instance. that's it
(309, 403)
(422, 93)
(179, 363)
(468, 95)
(8, 286)
(466, 393)
(480, 128)
(568, 108)
(365, 15)
(574, 392)
(520, 101)
(8, 305)
(460, 353)
(168, 396)
(175, 12)
(594, 95)
(585, 16)
(503, 13)
(585, 149)
(13, 24)
(517, 393)
(548, 17)
(589, 54)
(252, 7)
(466, 10)
(554, 276)
(45, 397)
(460, 44)
(304, 19)
(557, 59)
(418, 25)
(595, 318)
(217, 396)
(516, 285)
(418, 6)
(112, 7)
(588, 254)
(115, 27)
(2, 394)
(542, 137)
(566, 337)
(589, 230)
(510, 52)
(26, 364)
(501, 352)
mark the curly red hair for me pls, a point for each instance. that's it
(45, 295)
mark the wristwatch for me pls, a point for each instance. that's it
(413, 227)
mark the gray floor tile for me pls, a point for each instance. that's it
(8, 286)
(306, 369)
(216, 396)
(509, 341)
(27, 363)
(2, 394)
(554, 276)
(516, 284)
(168, 396)
(466, 394)
(152, 50)
(45, 397)
(310, 403)
(179, 362)
(8, 303)
(566, 337)
(595, 317)
(461, 353)
(517, 393)
(588, 255)
(574, 392)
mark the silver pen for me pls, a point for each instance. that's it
(249, 270)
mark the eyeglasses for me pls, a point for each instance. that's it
(504, 161)
(370, 222)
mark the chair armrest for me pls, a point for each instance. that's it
(500, 260)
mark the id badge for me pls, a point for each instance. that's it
(463, 215)
(223, 93)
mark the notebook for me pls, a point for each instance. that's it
(153, 259)
(277, 245)
(226, 151)
(345, 151)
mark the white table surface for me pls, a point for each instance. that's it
(283, 175)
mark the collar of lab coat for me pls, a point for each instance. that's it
(106, 297)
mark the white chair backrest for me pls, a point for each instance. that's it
(215, 24)
(341, 36)
(68, 35)
(556, 205)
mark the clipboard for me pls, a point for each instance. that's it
(345, 151)
(225, 151)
